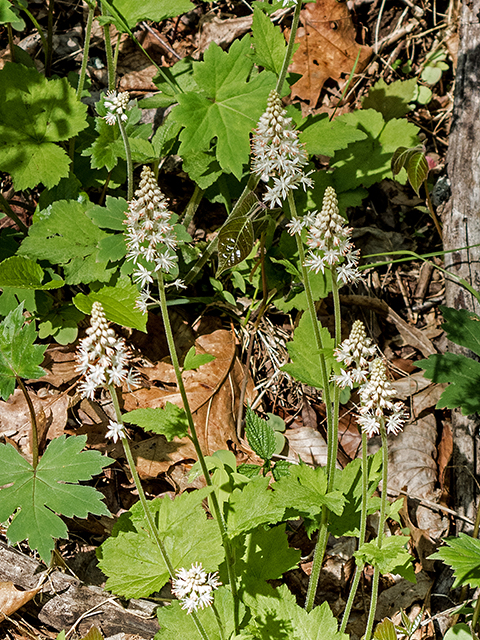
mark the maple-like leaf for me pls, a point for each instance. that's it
(226, 106)
(391, 557)
(131, 558)
(276, 614)
(170, 421)
(19, 356)
(462, 554)
(65, 235)
(35, 113)
(35, 496)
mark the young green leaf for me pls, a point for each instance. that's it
(226, 106)
(269, 43)
(459, 631)
(324, 137)
(118, 303)
(305, 365)
(36, 496)
(111, 216)
(392, 557)
(305, 491)
(260, 435)
(19, 356)
(6, 13)
(22, 273)
(171, 421)
(462, 327)
(417, 170)
(462, 554)
(131, 558)
(385, 631)
(66, 236)
(61, 323)
(155, 10)
(36, 113)
(195, 360)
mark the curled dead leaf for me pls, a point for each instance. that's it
(11, 598)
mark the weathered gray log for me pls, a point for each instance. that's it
(66, 600)
(461, 229)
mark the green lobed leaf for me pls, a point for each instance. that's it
(276, 614)
(6, 13)
(202, 167)
(252, 506)
(131, 558)
(348, 482)
(111, 216)
(462, 327)
(368, 161)
(269, 45)
(462, 373)
(61, 323)
(22, 273)
(37, 496)
(260, 435)
(320, 283)
(19, 356)
(171, 421)
(462, 554)
(195, 360)
(65, 235)
(226, 107)
(305, 490)
(35, 114)
(118, 303)
(385, 631)
(174, 623)
(305, 364)
(392, 557)
(264, 554)
(392, 100)
(322, 137)
(181, 76)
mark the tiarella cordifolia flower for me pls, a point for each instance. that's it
(116, 105)
(329, 242)
(376, 405)
(357, 349)
(194, 587)
(151, 237)
(102, 357)
(279, 155)
(115, 431)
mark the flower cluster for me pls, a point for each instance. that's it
(357, 349)
(356, 353)
(194, 587)
(376, 405)
(116, 105)
(151, 238)
(278, 153)
(102, 357)
(329, 241)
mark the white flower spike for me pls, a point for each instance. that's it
(194, 586)
(102, 357)
(116, 105)
(279, 155)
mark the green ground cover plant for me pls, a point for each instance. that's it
(117, 256)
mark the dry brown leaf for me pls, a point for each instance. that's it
(308, 444)
(327, 48)
(11, 598)
(220, 30)
(212, 391)
(59, 365)
(403, 594)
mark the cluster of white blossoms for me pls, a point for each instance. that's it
(151, 238)
(278, 154)
(376, 407)
(116, 105)
(329, 241)
(102, 357)
(194, 587)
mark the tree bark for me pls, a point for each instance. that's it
(462, 229)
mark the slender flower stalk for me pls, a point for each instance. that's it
(102, 358)
(151, 240)
(116, 105)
